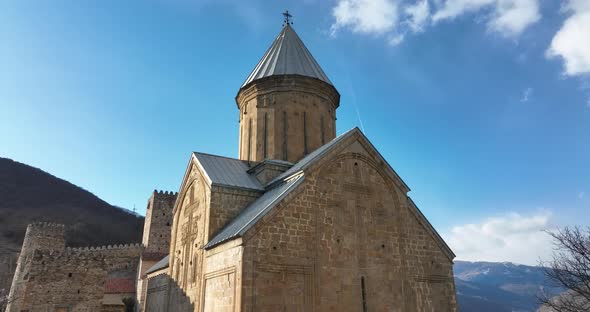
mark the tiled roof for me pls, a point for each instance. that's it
(119, 286)
(287, 56)
(255, 211)
(227, 171)
(163, 263)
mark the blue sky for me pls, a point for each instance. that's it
(481, 106)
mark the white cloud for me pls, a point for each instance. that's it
(581, 195)
(418, 15)
(526, 95)
(394, 19)
(508, 17)
(365, 16)
(571, 42)
(511, 237)
(453, 8)
(396, 39)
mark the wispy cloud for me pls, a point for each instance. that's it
(571, 42)
(418, 15)
(526, 95)
(511, 237)
(508, 17)
(365, 16)
(394, 19)
(581, 195)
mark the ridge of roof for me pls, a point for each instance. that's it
(287, 55)
(311, 157)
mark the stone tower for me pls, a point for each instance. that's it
(156, 237)
(158, 222)
(287, 104)
(39, 237)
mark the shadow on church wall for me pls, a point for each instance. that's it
(165, 295)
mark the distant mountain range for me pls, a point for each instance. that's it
(28, 194)
(499, 287)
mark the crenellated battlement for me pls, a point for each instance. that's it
(46, 225)
(45, 229)
(72, 255)
(107, 247)
(43, 236)
(160, 193)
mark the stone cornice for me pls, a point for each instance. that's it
(288, 83)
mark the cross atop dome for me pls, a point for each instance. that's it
(287, 17)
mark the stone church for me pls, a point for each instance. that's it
(303, 220)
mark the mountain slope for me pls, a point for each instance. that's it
(491, 286)
(28, 194)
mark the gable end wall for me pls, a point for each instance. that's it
(346, 230)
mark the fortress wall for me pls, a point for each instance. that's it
(50, 276)
(39, 236)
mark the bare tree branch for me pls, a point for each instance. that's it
(569, 268)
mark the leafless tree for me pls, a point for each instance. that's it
(569, 268)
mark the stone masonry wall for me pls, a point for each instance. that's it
(189, 232)
(75, 278)
(158, 223)
(39, 236)
(226, 204)
(50, 276)
(202, 210)
(156, 237)
(285, 117)
(222, 277)
(347, 239)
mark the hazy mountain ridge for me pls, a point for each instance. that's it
(29, 194)
(503, 286)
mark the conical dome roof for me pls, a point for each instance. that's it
(287, 56)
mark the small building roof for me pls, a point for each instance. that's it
(162, 264)
(227, 171)
(287, 56)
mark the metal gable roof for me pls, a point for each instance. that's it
(228, 171)
(287, 56)
(311, 157)
(159, 265)
(255, 211)
(277, 190)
